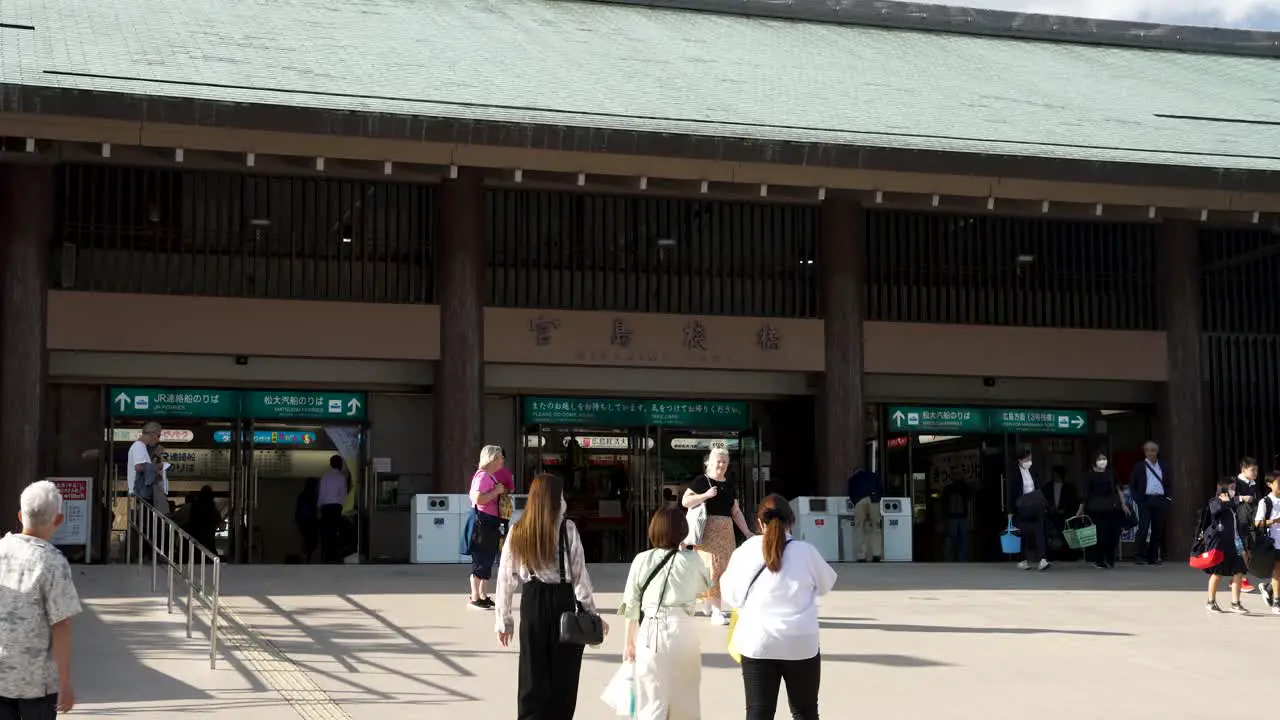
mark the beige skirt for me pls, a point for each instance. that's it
(718, 542)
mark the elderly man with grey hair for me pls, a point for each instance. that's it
(146, 473)
(37, 601)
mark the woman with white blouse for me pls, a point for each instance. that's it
(663, 588)
(544, 553)
(774, 581)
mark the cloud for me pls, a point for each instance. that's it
(1261, 14)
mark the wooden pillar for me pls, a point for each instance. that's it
(461, 259)
(26, 217)
(840, 405)
(1181, 419)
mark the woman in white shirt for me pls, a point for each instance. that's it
(663, 588)
(544, 553)
(775, 582)
(1268, 517)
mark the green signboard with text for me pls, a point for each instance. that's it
(222, 404)
(304, 405)
(962, 420)
(160, 403)
(603, 412)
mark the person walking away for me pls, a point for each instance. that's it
(1248, 491)
(1152, 488)
(1223, 533)
(1268, 516)
(723, 512)
(486, 532)
(1104, 503)
(955, 506)
(864, 493)
(1029, 507)
(306, 517)
(330, 497)
(658, 603)
(775, 581)
(544, 554)
(37, 602)
(205, 520)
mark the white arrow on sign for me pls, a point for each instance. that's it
(123, 400)
(898, 417)
(353, 405)
(1078, 421)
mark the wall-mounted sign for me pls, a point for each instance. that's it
(271, 437)
(160, 403)
(600, 412)
(167, 436)
(304, 405)
(961, 420)
(730, 444)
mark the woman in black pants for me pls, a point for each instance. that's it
(1104, 504)
(544, 553)
(774, 581)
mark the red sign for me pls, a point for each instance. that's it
(73, 489)
(819, 522)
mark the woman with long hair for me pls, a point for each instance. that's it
(723, 512)
(544, 553)
(658, 603)
(486, 533)
(774, 582)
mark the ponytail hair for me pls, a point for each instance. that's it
(776, 517)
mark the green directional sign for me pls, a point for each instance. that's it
(937, 419)
(614, 413)
(1052, 422)
(159, 403)
(305, 405)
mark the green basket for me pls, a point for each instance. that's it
(1080, 533)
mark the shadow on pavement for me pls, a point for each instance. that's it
(846, 624)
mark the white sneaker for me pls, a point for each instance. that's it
(718, 617)
(1045, 565)
(1024, 565)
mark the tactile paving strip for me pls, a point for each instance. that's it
(276, 670)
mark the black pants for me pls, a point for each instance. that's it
(45, 708)
(1108, 538)
(331, 533)
(761, 679)
(549, 669)
(1151, 515)
(1035, 539)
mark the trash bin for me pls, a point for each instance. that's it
(897, 528)
(435, 529)
(850, 535)
(817, 523)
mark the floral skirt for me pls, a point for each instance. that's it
(719, 542)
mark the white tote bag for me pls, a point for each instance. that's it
(697, 517)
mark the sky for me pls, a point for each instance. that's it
(1252, 14)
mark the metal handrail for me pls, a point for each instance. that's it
(179, 551)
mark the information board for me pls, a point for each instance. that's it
(77, 519)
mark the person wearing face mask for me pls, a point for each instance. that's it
(1104, 504)
(1029, 507)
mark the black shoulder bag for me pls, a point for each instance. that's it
(577, 626)
(645, 587)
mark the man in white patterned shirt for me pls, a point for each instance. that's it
(37, 602)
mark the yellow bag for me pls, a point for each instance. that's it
(733, 651)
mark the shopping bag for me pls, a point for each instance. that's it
(697, 518)
(733, 650)
(1011, 540)
(620, 693)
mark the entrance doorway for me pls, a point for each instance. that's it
(954, 463)
(615, 478)
(257, 451)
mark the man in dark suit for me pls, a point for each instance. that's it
(1152, 487)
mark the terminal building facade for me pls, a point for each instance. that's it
(620, 236)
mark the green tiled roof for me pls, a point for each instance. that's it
(635, 68)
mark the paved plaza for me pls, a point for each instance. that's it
(375, 642)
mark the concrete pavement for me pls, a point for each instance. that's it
(923, 640)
